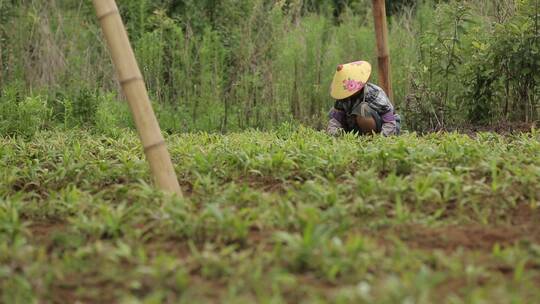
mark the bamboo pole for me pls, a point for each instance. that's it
(383, 52)
(134, 89)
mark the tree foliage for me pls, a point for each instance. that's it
(235, 64)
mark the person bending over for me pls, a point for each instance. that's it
(360, 107)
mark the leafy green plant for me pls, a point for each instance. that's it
(13, 229)
(22, 117)
(504, 77)
(441, 54)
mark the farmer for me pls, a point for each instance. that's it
(360, 106)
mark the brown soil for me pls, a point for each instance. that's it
(178, 247)
(451, 238)
(42, 232)
(187, 187)
(522, 225)
(264, 183)
(504, 128)
(451, 286)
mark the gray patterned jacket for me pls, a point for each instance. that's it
(342, 115)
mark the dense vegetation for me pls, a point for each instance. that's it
(229, 65)
(290, 216)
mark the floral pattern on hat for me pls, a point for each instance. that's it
(357, 63)
(352, 85)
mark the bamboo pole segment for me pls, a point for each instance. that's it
(383, 52)
(134, 89)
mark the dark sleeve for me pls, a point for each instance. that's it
(339, 105)
(378, 101)
(337, 115)
(335, 124)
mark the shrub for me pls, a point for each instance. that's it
(112, 116)
(503, 75)
(23, 117)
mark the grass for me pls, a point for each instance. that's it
(289, 216)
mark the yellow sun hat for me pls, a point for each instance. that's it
(349, 79)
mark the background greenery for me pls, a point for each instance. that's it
(235, 64)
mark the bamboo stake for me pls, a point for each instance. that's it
(134, 89)
(383, 52)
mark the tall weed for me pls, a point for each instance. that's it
(22, 116)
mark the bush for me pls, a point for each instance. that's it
(503, 74)
(112, 116)
(23, 117)
(475, 69)
(81, 108)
